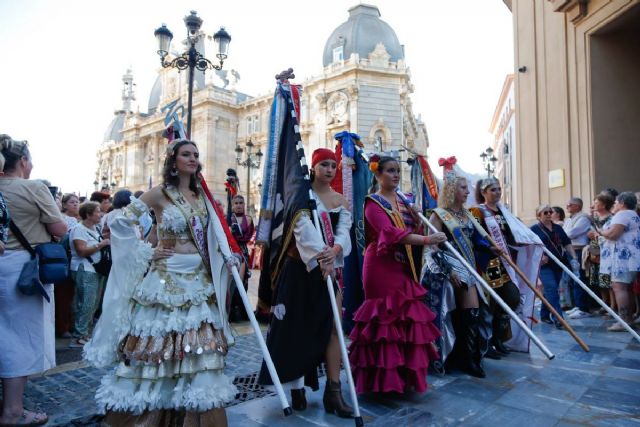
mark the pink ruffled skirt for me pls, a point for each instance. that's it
(392, 342)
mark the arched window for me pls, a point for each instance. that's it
(378, 140)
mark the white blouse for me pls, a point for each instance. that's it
(309, 241)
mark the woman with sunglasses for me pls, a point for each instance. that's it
(559, 244)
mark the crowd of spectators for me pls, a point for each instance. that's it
(606, 244)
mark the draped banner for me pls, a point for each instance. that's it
(424, 184)
(352, 180)
(285, 192)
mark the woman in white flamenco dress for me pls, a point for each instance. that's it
(162, 324)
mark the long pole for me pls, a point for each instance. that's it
(252, 318)
(338, 325)
(263, 345)
(334, 305)
(592, 295)
(553, 311)
(249, 179)
(192, 66)
(485, 286)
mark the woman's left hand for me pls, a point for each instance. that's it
(326, 256)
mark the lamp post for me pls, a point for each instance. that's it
(191, 59)
(105, 186)
(251, 161)
(489, 161)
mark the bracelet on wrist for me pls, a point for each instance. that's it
(425, 240)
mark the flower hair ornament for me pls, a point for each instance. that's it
(374, 160)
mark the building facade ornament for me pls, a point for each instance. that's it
(379, 57)
(346, 95)
(337, 108)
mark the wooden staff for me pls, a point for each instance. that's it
(482, 282)
(542, 298)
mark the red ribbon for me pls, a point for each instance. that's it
(223, 221)
(232, 189)
(447, 163)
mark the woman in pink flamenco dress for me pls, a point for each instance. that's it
(392, 341)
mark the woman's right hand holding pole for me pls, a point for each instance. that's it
(435, 238)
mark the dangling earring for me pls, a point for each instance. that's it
(174, 171)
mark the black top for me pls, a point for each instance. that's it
(4, 220)
(555, 240)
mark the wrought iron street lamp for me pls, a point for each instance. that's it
(191, 59)
(489, 161)
(251, 161)
(105, 186)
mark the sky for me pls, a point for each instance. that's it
(62, 64)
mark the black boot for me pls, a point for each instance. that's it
(470, 360)
(333, 401)
(298, 399)
(492, 353)
(501, 325)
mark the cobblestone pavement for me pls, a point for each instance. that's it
(68, 396)
(599, 388)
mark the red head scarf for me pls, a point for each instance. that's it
(322, 154)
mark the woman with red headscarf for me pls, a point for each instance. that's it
(301, 334)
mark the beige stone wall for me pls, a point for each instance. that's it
(554, 105)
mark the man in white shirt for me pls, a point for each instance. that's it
(577, 225)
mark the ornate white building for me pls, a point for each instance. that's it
(364, 88)
(503, 131)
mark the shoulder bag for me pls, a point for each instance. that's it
(102, 267)
(48, 264)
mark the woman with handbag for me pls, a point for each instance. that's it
(558, 243)
(620, 255)
(64, 290)
(27, 346)
(86, 252)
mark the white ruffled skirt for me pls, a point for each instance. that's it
(173, 354)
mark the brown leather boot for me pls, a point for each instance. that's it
(298, 399)
(333, 401)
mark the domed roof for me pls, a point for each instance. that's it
(361, 33)
(154, 96)
(113, 132)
